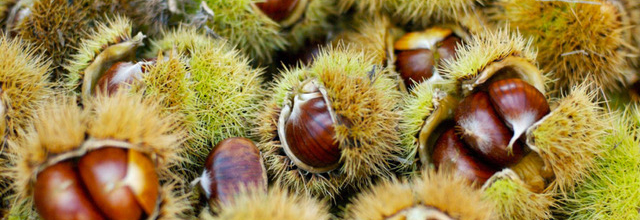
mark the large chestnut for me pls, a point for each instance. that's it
(232, 164)
(308, 131)
(451, 153)
(419, 53)
(481, 128)
(109, 183)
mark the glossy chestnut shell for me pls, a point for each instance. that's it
(308, 132)
(233, 163)
(451, 153)
(59, 194)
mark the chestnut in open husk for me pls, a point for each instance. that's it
(543, 148)
(80, 163)
(330, 126)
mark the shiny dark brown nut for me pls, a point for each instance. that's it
(309, 132)
(483, 130)
(59, 194)
(451, 153)
(415, 66)
(447, 48)
(233, 163)
(278, 10)
(519, 104)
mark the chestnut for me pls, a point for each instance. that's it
(481, 128)
(308, 132)
(451, 153)
(519, 104)
(283, 12)
(419, 53)
(59, 194)
(120, 75)
(233, 163)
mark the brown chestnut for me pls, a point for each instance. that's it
(120, 75)
(59, 194)
(415, 66)
(486, 134)
(308, 133)
(113, 176)
(277, 10)
(233, 163)
(451, 153)
(419, 53)
(519, 104)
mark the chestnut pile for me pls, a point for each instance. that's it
(489, 124)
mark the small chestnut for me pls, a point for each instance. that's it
(451, 153)
(121, 75)
(278, 10)
(519, 104)
(308, 133)
(486, 134)
(59, 194)
(233, 163)
(419, 53)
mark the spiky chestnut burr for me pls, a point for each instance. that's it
(419, 13)
(434, 195)
(234, 164)
(57, 28)
(276, 204)
(25, 86)
(355, 100)
(587, 42)
(121, 174)
(614, 175)
(552, 166)
(109, 43)
(567, 140)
